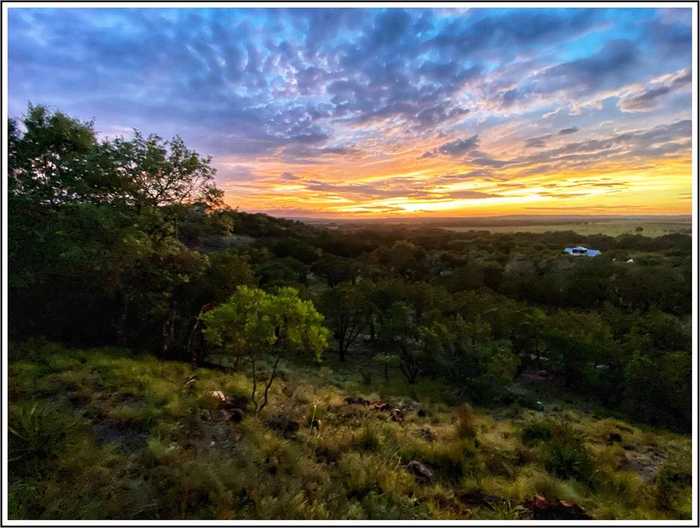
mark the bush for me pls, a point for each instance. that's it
(36, 431)
(566, 456)
(367, 439)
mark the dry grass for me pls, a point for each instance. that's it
(125, 439)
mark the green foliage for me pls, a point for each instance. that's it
(465, 426)
(253, 321)
(536, 431)
(671, 482)
(344, 308)
(566, 456)
(254, 324)
(37, 431)
(125, 461)
(126, 242)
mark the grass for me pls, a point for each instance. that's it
(614, 228)
(107, 434)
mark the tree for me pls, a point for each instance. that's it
(335, 269)
(414, 343)
(93, 231)
(345, 310)
(576, 341)
(253, 324)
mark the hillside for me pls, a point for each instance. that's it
(105, 433)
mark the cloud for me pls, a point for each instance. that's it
(359, 91)
(649, 97)
(661, 140)
(288, 176)
(458, 147)
(538, 142)
(234, 173)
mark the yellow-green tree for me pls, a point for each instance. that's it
(254, 324)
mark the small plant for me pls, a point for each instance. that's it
(566, 456)
(36, 431)
(536, 431)
(367, 439)
(671, 479)
(465, 426)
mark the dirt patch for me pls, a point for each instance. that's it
(645, 463)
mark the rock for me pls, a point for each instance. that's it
(283, 425)
(544, 509)
(476, 498)
(422, 413)
(380, 406)
(217, 395)
(614, 437)
(397, 415)
(422, 472)
(356, 400)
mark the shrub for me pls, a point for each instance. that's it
(465, 426)
(566, 456)
(36, 431)
(367, 439)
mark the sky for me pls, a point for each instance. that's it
(367, 112)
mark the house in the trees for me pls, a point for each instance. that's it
(580, 251)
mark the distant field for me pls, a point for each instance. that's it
(650, 229)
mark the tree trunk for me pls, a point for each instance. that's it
(269, 383)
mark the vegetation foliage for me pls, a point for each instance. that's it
(135, 294)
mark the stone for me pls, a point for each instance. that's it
(545, 509)
(476, 498)
(218, 396)
(356, 400)
(422, 472)
(397, 415)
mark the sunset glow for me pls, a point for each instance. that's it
(387, 112)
